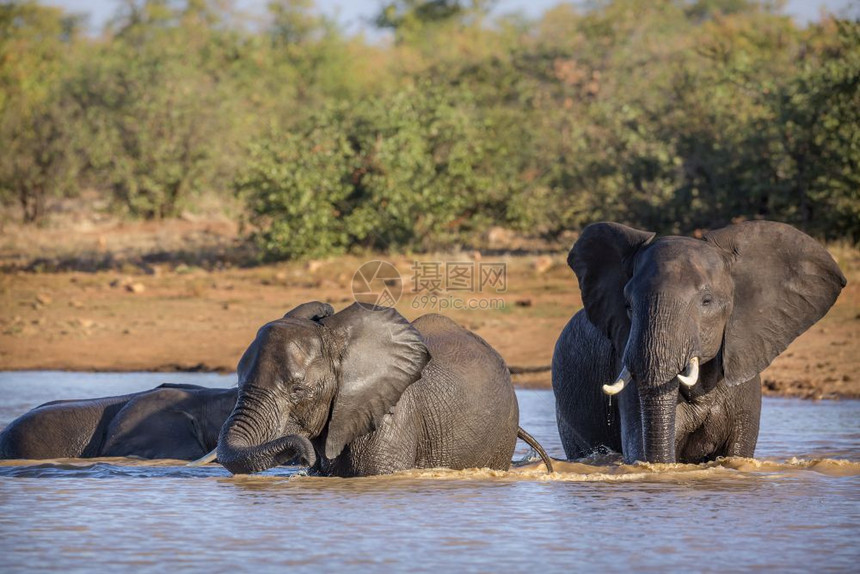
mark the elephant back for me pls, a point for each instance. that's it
(61, 429)
(466, 396)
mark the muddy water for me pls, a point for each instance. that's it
(795, 507)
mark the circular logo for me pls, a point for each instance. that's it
(377, 283)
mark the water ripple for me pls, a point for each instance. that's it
(794, 507)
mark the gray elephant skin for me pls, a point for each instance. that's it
(364, 392)
(684, 327)
(169, 421)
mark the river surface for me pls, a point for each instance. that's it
(795, 507)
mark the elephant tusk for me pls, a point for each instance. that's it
(691, 374)
(619, 383)
(204, 459)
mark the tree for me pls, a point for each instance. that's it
(818, 116)
(416, 169)
(165, 111)
(422, 12)
(37, 123)
(294, 183)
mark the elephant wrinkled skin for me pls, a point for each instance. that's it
(684, 327)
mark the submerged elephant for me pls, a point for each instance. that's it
(169, 421)
(364, 392)
(689, 324)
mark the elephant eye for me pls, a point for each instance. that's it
(296, 389)
(706, 302)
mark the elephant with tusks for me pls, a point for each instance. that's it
(663, 362)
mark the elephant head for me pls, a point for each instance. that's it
(314, 381)
(684, 314)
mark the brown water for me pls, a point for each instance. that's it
(794, 507)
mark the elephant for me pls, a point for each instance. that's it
(365, 392)
(684, 327)
(170, 421)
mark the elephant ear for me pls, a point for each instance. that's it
(382, 355)
(312, 311)
(602, 259)
(785, 281)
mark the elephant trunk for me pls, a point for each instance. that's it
(244, 450)
(658, 424)
(658, 350)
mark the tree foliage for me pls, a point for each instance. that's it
(672, 116)
(418, 169)
(37, 121)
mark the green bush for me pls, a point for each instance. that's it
(295, 184)
(38, 122)
(412, 170)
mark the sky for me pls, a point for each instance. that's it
(355, 15)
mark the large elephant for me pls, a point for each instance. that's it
(169, 421)
(689, 324)
(364, 392)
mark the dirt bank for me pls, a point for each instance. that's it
(170, 314)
